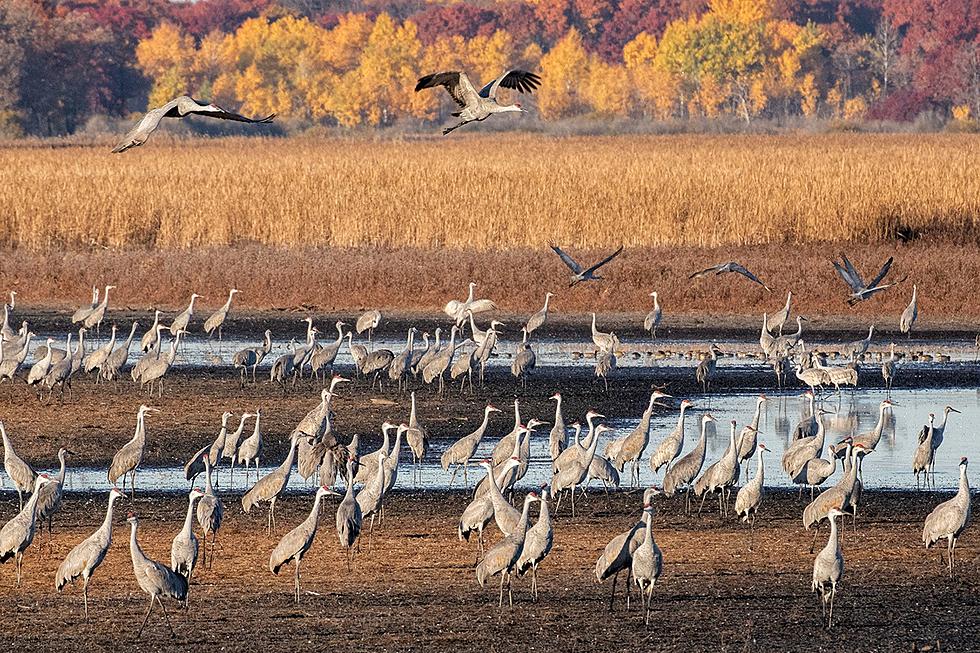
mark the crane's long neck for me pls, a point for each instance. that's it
(315, 512)
(483, 426)
(521, 531)
(544, 516)
(680, 420)
(107, 522)
(879, 427)
(132, 334)
(757, 416)
(105, 298)
(227, 305)
(964, 492)
(761, 469)
(140, 436)
(833, 542)
(942, 427)
(397, 448)
(135, 552)
(208, 486)
(291, 456)
(558, 416)
(267, 345)
(61, 469)
(547, 299)
(188, 518)
(411, 416)
(30, 507)
(594, 330)
(190, 306)
(112, 339)
(156, 321)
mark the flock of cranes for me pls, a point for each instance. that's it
(320, 454)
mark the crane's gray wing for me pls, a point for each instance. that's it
(881, 273)
(705, 272)
(851, 270)
(567, 260)
(138, 134)
(741, 269)
(923, 433)
(605, 260)
(214, 111)
(457, 83)
(519, 80)
(855, 284)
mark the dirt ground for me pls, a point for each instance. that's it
(413, 587)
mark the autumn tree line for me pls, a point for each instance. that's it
(352, 63)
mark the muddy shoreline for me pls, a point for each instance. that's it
(413, 588)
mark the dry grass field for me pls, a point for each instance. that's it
(405, 224)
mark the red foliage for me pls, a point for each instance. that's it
(454, 20)
(201, 18)
(902, 105)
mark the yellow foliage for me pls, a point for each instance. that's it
(711, 96)
(742, 11)
(834, 99)
(758, 97)
(562, 70)
(607, 89)
(855, 108)
(167, 56)
(961, 113)
(809, 95)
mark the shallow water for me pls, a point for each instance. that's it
(889, 467)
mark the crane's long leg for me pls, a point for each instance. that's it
(612, 597)
(830, 616)
(85, 595)
(167, 617)
(814, 542)
(298, 560)
(500, 600)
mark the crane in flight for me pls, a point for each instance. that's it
(730, 266)
(580, 274)
(861, 291)
(179, 107)
(477, 106)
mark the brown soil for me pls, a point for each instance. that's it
(413, 586)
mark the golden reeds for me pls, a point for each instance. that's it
(492, 192)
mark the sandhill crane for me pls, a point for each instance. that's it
(183, 549)
(617, 556)
(251, 447)
(537, 320)
(183, 319)
(217, 319)
(78, 355)
(685, 470)
(349, 518)
(399, 365)
(128, 459)
(730, 266)
(520, 449)
(270, 487)
(558, 438)
(537, 544)
(316, 425)
(949, 519)
(358, 352)
(6, 331)
(216, 448)
(602, 340)
(766, 339)
(368, 321)
(458, 310)
(807, 426)
(252, 357)
(939, 433)
(784, 344)
(804, 449)
(151, 337)
(924, 455)
(856, 350)
(179, 107)
(151, 355)
(282, 369)
(630, 448)
(780, 317)
(210, 512)
(94, 319)
(156, 370)
(504, 514)
(673, 444)
(605, 364)
(460, 452)
(524, 361)
(436, 367)
(369, 498)
(59, 374)
(480, 511)
(10, 363)
(576, 472)
(861, 291)
(79, 316)
(98, 356)
(326, 355)
(114, 362)
(720, 476)
(429, 352)
(828, 568)
(85, 558)
(706, 368)
(580, 274)
(230, 448)
(376, 363)
(369, 461)
(910, 314)
(479, 105)
(652, 320)
(462, 368)
(154, 578)
(888, 369)
(51, 494)
(749, 496)
(647, 564)
(503, 557)
(816, 471)
(18, 533)
(40, 369)
(502, 450)
(749, 437)
(294, 544)
(417, 438)
(419, 354)
(20, 473)
(838, 496)
(871, 439)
